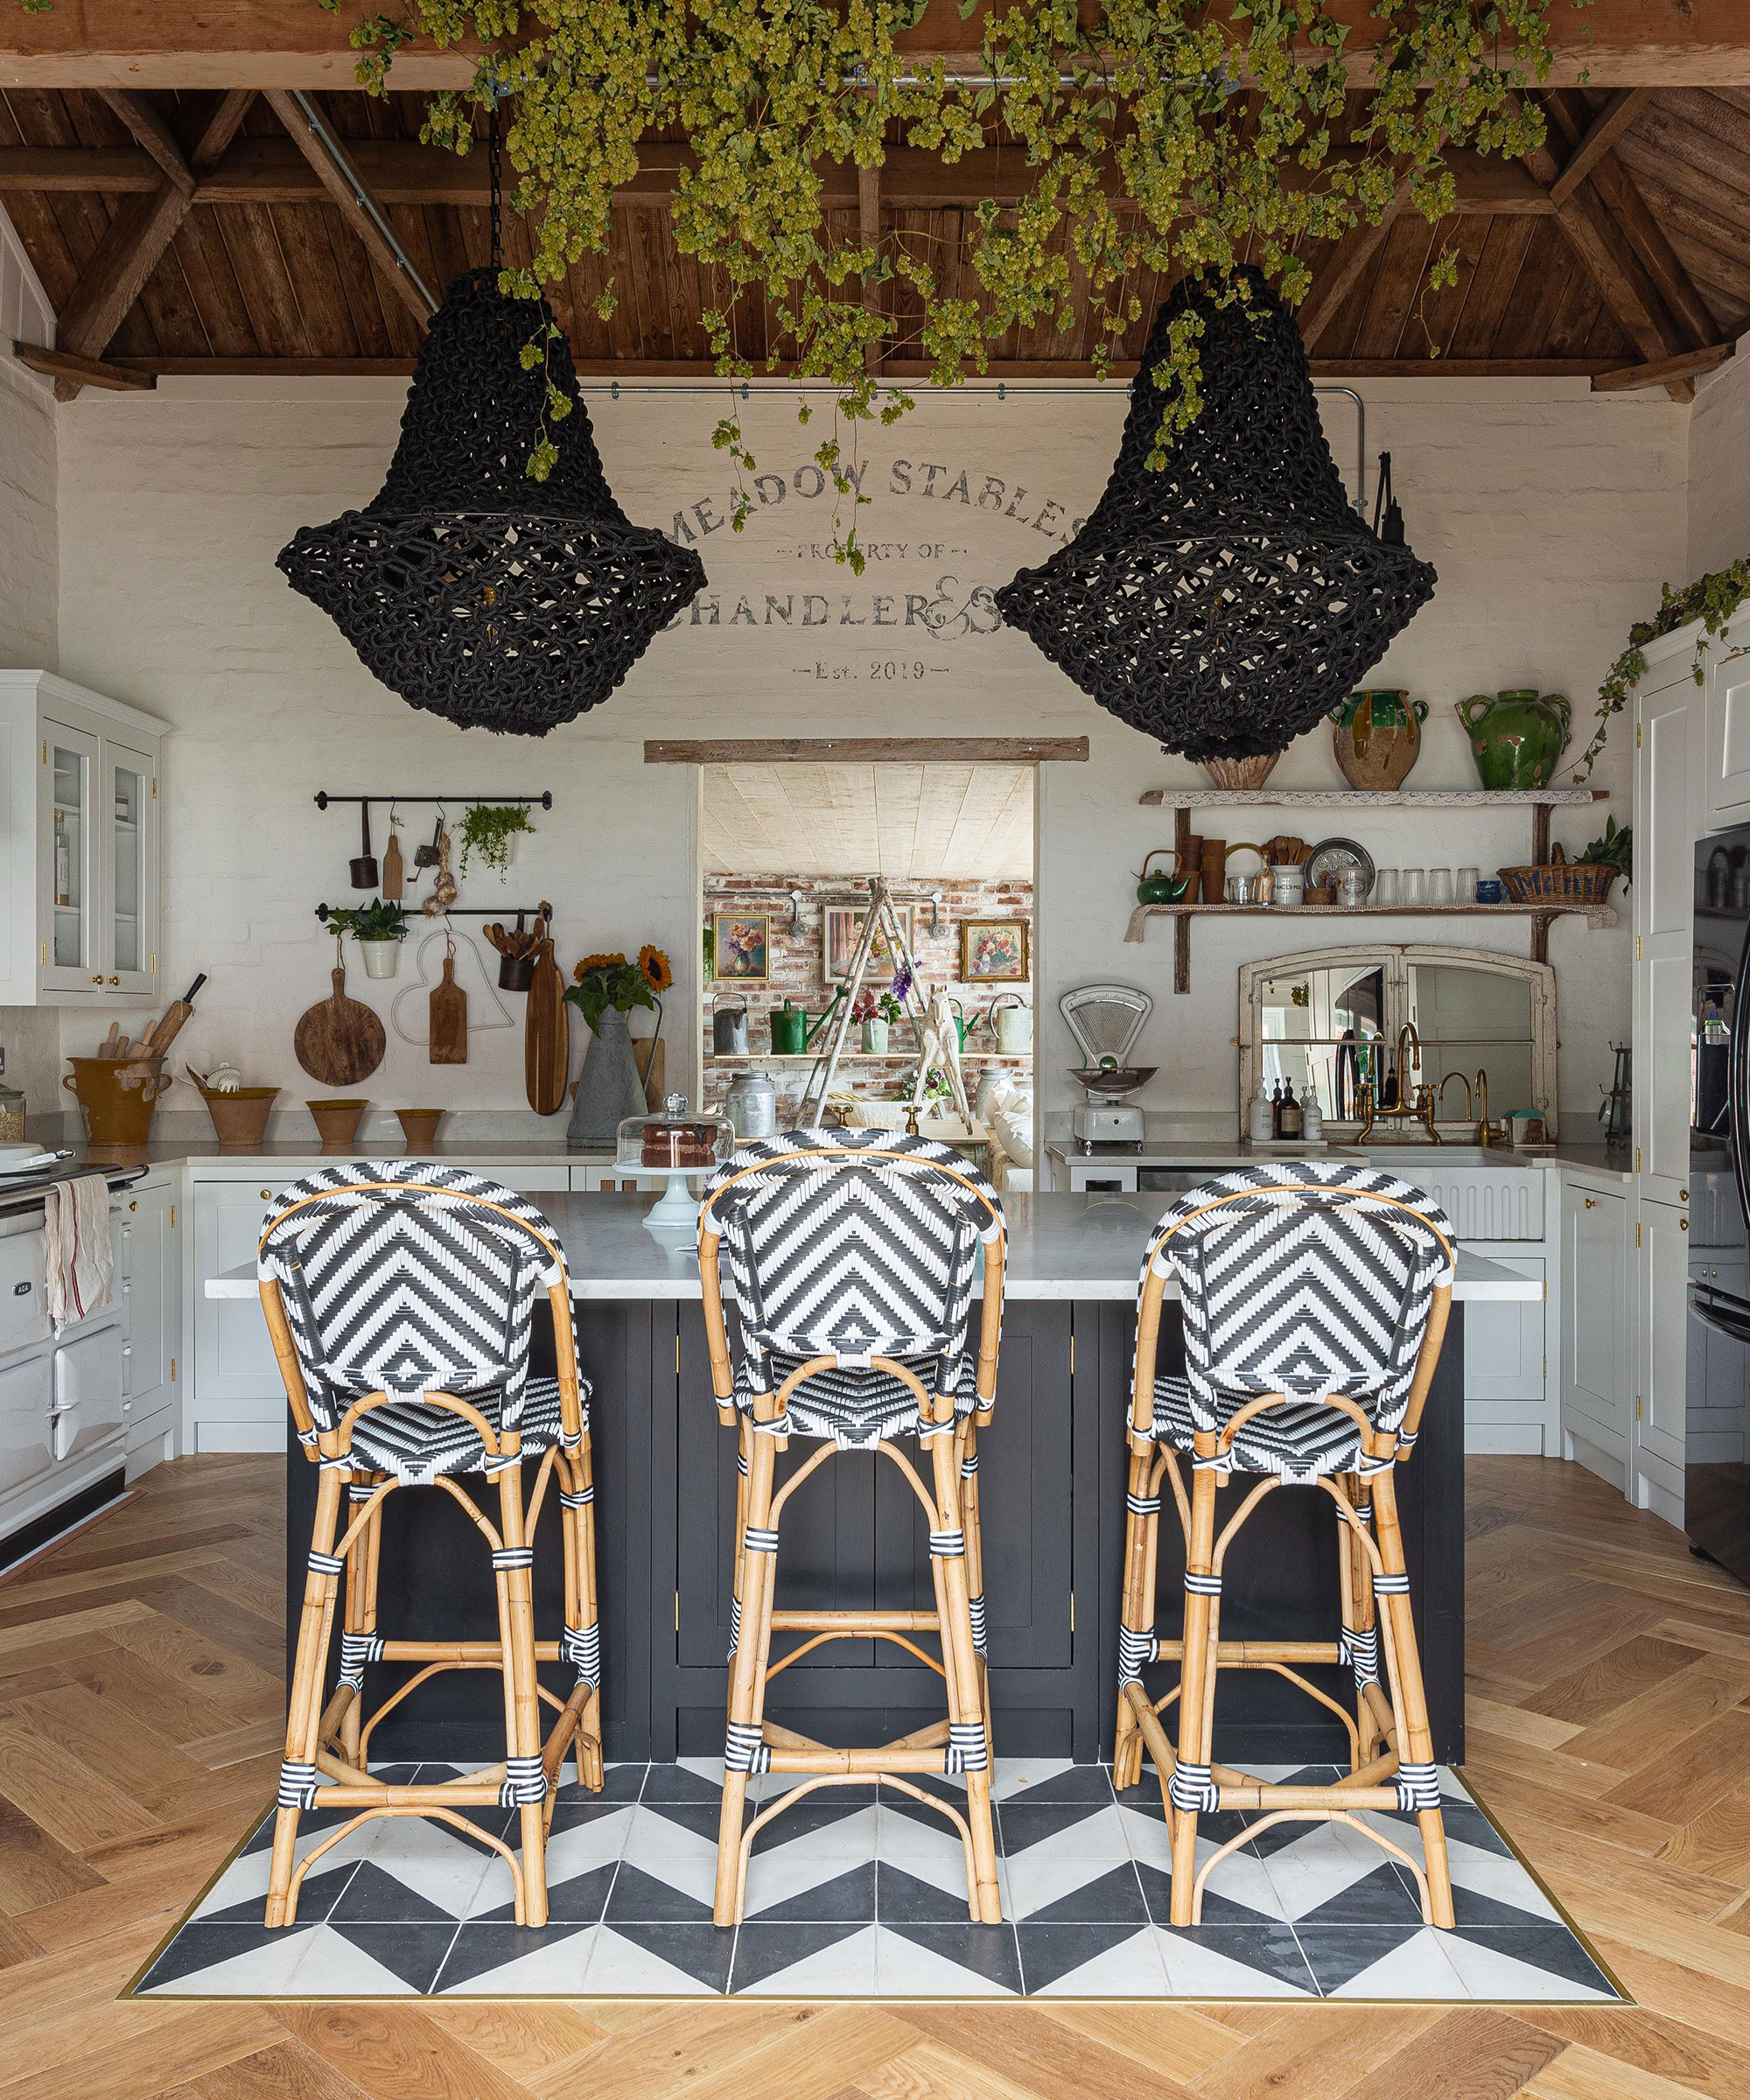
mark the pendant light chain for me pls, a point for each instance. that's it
(495, 192)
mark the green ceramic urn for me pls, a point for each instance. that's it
(1516, 735)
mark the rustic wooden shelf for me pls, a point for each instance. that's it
(1368, 798)
(1596, 915)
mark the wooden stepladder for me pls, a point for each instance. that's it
(932, 1017)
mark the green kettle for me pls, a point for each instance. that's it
(794, 1028)
(1516, 735)
(1153, 888)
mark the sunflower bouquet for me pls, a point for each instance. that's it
(604, 981)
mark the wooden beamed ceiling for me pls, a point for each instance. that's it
(203, 229)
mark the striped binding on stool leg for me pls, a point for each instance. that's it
(1143, 1505)
(1203, 1585)
(325, 1564)
(969, 1465)
(1391, 1585)
(747, 1749)
(947, 1545)
(296, 1785)
(734, 1626)
(525, 1783)
(1193, 1790)
(1418, 1787)
(581, 1647)
(581, 1500)
(507, 1558)
(1358, 1648)
(975, 1607)
(967, 1750)
(357, 1649)
(1135, 1649)
(758, 1540)
(359, 1491)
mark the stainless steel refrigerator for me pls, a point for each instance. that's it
(1717, 1416)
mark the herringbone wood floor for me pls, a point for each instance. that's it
(140, 1697)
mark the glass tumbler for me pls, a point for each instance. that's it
(1440, 886)
(1384, 886)
(1466, 885)
(1415, 886)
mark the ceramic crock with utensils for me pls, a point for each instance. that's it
(116, 1096)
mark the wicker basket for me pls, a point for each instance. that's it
(1561, 881)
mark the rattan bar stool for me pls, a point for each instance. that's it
(1315, 1300)
(400, 1296)
(851, 1257)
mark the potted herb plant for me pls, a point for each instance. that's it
(606, 989)
(379, 928)
(488, 829)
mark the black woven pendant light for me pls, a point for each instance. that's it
(478, 594)
(1225, 602)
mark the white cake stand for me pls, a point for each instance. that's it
(674, 1218)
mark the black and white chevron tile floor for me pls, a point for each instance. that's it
(859, 1892)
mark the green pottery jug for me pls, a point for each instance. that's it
(1516, 736)
(1378, 736)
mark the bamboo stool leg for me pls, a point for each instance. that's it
(967, 1441)
(1348, 1582)
(303, 1716)
(1415, 1739)
(578, 1531)
(1136, 1617)
(748, 1674)
(359, 1613)
(965, 1702)
(521, 1702)
(1367, 1623)
(1195, 1675)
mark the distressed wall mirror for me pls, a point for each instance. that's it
(1331, 1020)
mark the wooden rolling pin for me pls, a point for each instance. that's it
(171, 1022)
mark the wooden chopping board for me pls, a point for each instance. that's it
(547, 1041)
(339, 1042)
(449, 1029)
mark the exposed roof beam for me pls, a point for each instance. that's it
(1341, 271)
(401, 170)
(1012, 371)
(1607, 128)
(83, 371)
(130, 250)
(154, 135)
(1689, 365)
(143, 44)
(333, 168)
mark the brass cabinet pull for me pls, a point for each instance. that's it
(1682, 1224)
(1590, 1202)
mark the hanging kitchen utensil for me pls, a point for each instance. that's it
(449, 1034)
(443, 889)
(338, 1041)
(546, 1043)
(364, 869)
(394, 869)
(516, 955)
(426, 856)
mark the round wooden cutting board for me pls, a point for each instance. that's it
(339, 1042)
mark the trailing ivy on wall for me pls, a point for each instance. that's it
(1712, 598)
(1170, 135)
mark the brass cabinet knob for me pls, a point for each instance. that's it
(267, 1195)
(98, 979)
(1682, 1195)
(1590, 1202)
(134, 1204)
(1682, 1224)
(115, 980)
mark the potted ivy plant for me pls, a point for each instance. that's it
(379, 928)
(488, 829)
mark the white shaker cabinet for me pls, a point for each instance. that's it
(1669, 716)
(1597, 1313)
(1662, 1319)
(1728, 723)
(80, 799)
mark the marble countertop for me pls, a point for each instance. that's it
(1061, 1247)
(1218, 1155)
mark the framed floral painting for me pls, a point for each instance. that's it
(741, 947)
(995, 951)
(840, 925)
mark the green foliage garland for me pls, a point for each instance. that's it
(1168, 135)
(1712, 598)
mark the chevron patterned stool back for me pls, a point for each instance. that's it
(851, 1260)
(400, 1295)
(1314, 1298)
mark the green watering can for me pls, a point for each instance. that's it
(794, 1028)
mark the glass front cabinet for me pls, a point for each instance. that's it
(78, 868)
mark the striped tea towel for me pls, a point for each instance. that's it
(82, 1266)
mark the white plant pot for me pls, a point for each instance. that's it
(875, 1038)
(382, 958)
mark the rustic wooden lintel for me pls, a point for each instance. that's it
(865, 751)
(86, 371)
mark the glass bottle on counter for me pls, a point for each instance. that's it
(1290, 1115)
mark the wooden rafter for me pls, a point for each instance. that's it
(136, 239)
(1626, 379)
(84, 371)
(1342, 269)
(1606, 128)
(154, 136)
(869, 235)
(145, 44)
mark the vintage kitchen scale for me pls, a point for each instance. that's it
(1106, 1019)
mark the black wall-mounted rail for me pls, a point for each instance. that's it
(544, 910)
(543, 801)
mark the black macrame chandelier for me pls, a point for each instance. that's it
(1224, 603)
(474, 591)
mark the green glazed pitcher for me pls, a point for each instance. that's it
(1516, 735)
(1377, 737)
